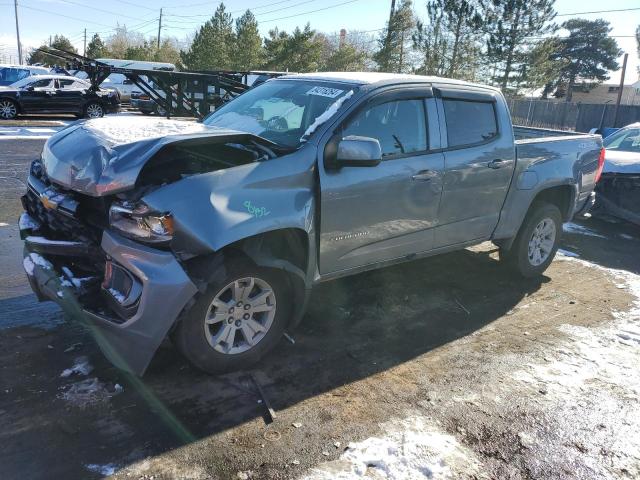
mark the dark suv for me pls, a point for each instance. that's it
(56, 94)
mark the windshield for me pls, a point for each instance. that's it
(626, 141)
(285, 112)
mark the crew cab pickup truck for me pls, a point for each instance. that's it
(213, 233)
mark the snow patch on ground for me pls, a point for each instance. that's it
(106, 470)
(580, 230)
(80, 367)
(89, 392)
(567, 253)
(413, 448)
(593, 354)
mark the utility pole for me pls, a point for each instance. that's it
(49, 40)
(15, 5)
(620, 88)
(84, 50)
(159, 27)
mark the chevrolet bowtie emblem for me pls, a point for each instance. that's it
(47, 202)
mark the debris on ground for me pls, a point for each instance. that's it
(80, 367)
(88, 392)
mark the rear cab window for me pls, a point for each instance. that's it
(469, 122)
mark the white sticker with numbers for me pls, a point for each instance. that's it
(325, 92)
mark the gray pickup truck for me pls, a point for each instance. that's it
(213, 233)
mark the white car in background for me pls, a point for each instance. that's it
(9, 74)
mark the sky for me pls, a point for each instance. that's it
(40, 18)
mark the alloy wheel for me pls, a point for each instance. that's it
(8, 110)
(541, 242)
(94, 111)
(240, 315)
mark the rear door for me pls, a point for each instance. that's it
(388, 211)
(479, 158)
(70, 94)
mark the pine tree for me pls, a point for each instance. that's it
(300, 51)
(509, 24)
(248, 54)
(449, 43)
(213, 45)
(59, 41)
(346, 58)
(96, 48)
(395, 40)
(589, 53)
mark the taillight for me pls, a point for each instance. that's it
(600, 165)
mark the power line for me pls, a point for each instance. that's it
(201, 4)
(256, 14)
(99, 9)
(597, 11)
(136, 5)
(310, 11)
(289, 16)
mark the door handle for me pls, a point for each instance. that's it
(497, 163)
(424, 175)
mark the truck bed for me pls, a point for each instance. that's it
(525, 134)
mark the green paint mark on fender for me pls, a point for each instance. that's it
(257, 212)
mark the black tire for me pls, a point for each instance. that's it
(8, 109)
(146, 112)
(517, 257)
(94, 107)
(189, 335)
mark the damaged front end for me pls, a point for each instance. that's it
(128, 294)
(113, 225)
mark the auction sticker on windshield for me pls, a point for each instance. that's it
(325, 92)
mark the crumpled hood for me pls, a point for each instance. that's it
(617, 161)
(105, 156)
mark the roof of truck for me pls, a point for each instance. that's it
(380, 77)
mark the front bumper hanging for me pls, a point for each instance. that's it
(157, 291)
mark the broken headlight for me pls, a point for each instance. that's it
(139, 222)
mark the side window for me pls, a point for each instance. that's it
(66, 83)
(469, 122)
(44, 83)
(400, 126)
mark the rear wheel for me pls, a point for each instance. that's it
(94, 110)
(537, 241)
(240, 317)
(8, 109)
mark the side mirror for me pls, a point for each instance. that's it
(30, 88)
(355, 151)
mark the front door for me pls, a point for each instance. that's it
(388, 211)
(39, 96)
(479, 164)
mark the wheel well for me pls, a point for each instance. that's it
(289, 244)
(560, 196)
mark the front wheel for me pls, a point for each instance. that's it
(240, 317)
(8, 109)
(537, 241)
(94, 110)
